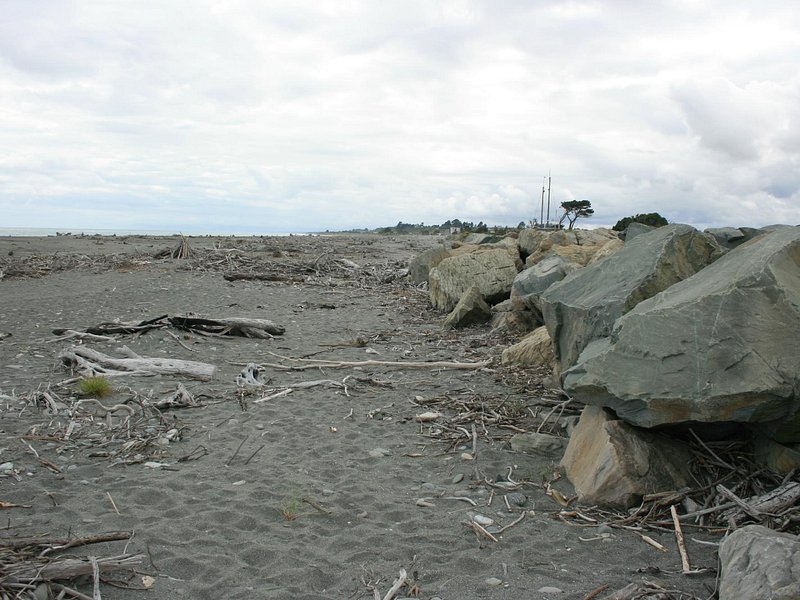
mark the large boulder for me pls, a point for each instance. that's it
(506, 320)
(470, 310)
(584, 305)
(492, 270)
(532, 282)
(534, 350)
(576, 245)
(613, 464)
(420, 266)
(719, 346)
(757, 562)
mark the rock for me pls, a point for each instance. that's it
(480, 238)
(607, 249)
(720, 346)
(379, 452)
(531, 283)
(757, 562)
(584, 305)
(516, 498)
(538, 443)
(483, 520)
(471, 309)
(578, 246)
(492, 270)
(534, 350)
(636, 229)
(613, 464)
(504, 319)
(781, 458)
(419, 268)
(549, 589)
(493, 581)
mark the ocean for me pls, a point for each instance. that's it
(46, 231)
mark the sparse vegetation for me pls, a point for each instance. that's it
(290, 507)
(95, 387)
(652, 219)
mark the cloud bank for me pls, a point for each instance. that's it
(293, 116)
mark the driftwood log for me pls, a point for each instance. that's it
(236, 326)
(241, 326)
(96, 363)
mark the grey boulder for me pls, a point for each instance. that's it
(584, 305)
(470, 310)
(719, 346)
(757, 562)
(492, 270)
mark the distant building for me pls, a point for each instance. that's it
(454, 230)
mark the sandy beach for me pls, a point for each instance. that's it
(320, 481)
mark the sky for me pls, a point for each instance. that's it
(301, 115)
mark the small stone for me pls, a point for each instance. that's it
(604, 530)
(458, 478)
(379, 452)
(260, 426)
(363, 515)
(516, 498)
(422, 502)
(494, 581)
(427, 486)
(467, 456)
(549, 590)
(483, 520)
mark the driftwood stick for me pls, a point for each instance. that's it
(679, 538)
(514, 522)
(332, 364)
(739, 502)
(64, 543)
(398, 583)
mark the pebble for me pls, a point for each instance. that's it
(425, 503)
(259, 426)
(428, 486)
(379, 452)
(458, 478)
(549, 590)
(467, 456)
(483, 520)
(516, 498)
(604, 530)
(7, 466)
(494, 581)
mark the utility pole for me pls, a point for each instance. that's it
(549, 180)
(541, 212)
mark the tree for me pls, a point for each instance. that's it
(573, 209)
(651, 219)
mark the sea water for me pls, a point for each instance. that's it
(46, 231)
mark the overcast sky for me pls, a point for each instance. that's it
(297, 115)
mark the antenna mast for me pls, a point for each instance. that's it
(549, 179)
(541, 212)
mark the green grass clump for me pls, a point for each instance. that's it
(95, 387)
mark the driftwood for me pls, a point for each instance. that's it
(70, 568)
(336, 364)
(96, 363)
(241, 326)
(760, 507)
(236, 326)
(180, 398)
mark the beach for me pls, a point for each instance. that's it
(318, 479)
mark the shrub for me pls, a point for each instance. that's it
(651, 219)
(95, 387)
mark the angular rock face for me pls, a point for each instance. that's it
(492, 270)
(577, 246)
(583, 306)
(757, 562)
(613, 464)
(636, 229)
(534, 350)
(719, 346)
(531, 283)
(420, 266)
(471, 309)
